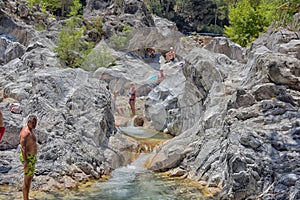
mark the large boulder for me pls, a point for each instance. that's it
(224, 46)
(177, 103)
(9, 49)
(75, 123)
(245, 139)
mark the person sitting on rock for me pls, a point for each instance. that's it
(170, 56)
(152, 53)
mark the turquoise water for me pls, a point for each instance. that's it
(134, 182)
(130, 182)
(152, 78)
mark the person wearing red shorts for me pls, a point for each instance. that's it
(2, 128)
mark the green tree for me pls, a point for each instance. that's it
(71, 47)
(74, 10)
(155, 7)
(198, 13)
(192, 15)
(45, 5)
(249, 18)
(248, 21)
(52, 6)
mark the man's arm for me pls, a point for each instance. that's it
(23, 141)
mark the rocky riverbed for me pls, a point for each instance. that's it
(233, 112)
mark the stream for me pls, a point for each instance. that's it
(134, 182)
(130, 182)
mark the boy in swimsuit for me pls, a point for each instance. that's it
(132, 98)
(2, 128)
(28, 153)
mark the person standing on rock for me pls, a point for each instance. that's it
(28, 153)
(2, 128)
(132, 98)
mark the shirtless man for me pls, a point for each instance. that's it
(2, 128)
(28, 153)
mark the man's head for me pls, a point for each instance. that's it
(32, 121)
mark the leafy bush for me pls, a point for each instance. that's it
(45, 5)
(74, 10)
(248, 21)
(98, 24)
(285, 11)
(249, 18)
(98, 58)
(212, 29)
(71, 47)
(119, 41)
(155, 7)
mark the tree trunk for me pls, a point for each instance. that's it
(216, 17)
(167, 8)
(63, 3)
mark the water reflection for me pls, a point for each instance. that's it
(140, 132)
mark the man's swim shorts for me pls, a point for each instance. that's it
(31, 164)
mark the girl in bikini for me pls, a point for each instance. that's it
(132, 98)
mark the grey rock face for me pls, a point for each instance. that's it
(10, 50)
(76, 134)
(178, 102)
(225, 46)
(21, 32)
(245, 138)
(74, 129)
(116, 14)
